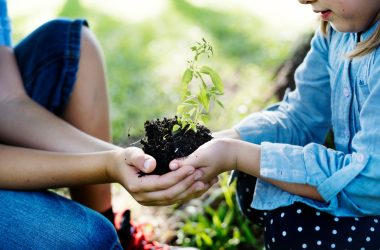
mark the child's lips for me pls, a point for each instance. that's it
(325, 15)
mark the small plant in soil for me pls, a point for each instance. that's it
(181, 135)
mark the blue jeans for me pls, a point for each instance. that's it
(43, 220)
(48, 61)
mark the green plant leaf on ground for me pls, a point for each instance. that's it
(224, 224)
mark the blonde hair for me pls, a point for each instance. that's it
(363, 47)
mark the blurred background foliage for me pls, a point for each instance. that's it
(146, 46)
(146, 55)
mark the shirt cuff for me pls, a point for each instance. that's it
(340, 179)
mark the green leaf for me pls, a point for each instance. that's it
(228, 196)
(248, 233)
(190, 101)
(191, 111)
(176, 127)
(203, 220)
(220, 103)
(184, 124)
(204, 99)
(193, 126)
(198, 240)
(207, 239)
(209, 210)
(222, 212)
(216, 220)
(186, 79)
(215, 78)
(181, 109)
(204, 118)
(189, 228)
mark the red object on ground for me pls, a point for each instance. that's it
(135, 236)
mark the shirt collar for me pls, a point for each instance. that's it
(366, 34)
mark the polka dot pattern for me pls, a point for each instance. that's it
(301, 227)
(307, 230)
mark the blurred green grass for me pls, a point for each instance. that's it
(145, 60)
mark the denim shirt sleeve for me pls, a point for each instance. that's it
(5, 25)
(304, 114)
(291, 133)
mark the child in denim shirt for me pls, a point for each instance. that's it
(307, 195)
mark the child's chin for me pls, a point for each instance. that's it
(345, 28)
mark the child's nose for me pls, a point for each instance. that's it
(307, 1)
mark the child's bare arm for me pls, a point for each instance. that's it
(25, 123)
(30, 169)
(224, 154)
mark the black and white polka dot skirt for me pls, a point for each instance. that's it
(302, 227)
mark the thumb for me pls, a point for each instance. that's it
(149, 164)
(140, 160)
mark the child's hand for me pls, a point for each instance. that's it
(151, 190)
(212, 158)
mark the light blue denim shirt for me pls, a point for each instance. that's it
(332, 92)
(5, 25)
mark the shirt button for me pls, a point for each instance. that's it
(359, 157)
(346, 92)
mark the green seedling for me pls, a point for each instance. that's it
(195, 107)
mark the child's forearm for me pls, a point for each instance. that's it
(298, 189)
(227, 133)
(26, 124)
(33, 169)
(248, 161)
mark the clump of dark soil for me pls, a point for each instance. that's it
(165, 145)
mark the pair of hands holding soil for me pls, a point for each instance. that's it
(189, 177)
(178, 186)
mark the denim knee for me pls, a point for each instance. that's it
(98, 233)
(90, 231)
(44, 220)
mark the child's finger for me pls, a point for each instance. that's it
(195, 159)
(175, 164)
